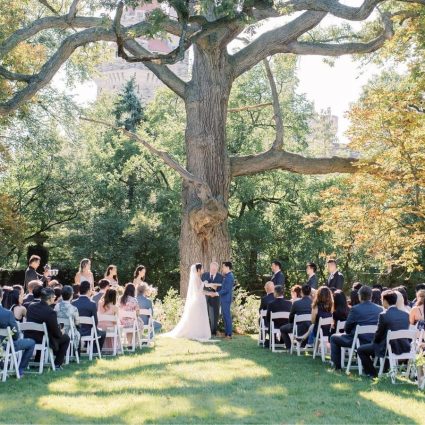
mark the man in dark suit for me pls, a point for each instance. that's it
(278, 277)
(363, 314)
(278, 305)
(225, 292)
(30, 297)
(269, 297)
(87, 308)
(32, 274)
(103, 286)
(392, 319)
(41, 312)
(213, 303)
(335, 279)
(299, 307)
(311, 273)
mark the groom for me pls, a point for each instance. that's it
(213, 302)
(226, 297)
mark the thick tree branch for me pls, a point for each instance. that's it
(282, 160)
(14, 76)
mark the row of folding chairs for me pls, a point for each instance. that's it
(321, 344)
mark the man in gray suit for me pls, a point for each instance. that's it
(146, 304)
(103, 286)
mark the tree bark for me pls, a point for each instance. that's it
(204, 233)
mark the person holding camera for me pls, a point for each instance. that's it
(32, 274)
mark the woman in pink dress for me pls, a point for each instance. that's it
(108, 306)
(129, 303)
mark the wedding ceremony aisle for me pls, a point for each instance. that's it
(190, 382)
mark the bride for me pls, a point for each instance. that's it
(194, 323)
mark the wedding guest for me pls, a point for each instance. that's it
(354, 298)
(299, 307)
(392, 319)
(52, 283)
(31, 271)
(311, 273)
(340, 309)
(145, 304)
(400, 302)
(16, 298)
(418, 287)
(296, 293)
(321, 308)
(278, 277)
(363, 314)
(403, 291)
(76, 289)
(129, 302)
(335, 279)
(278, 305)
(376, 296)
(26, 345)
(108, 306)
(269, 297)
(29, 297)
(356, 286)
(87, 308)
(111, 275)
(65, 310)
(103, 285)
(41, 312)
(417, 313)
(84, 273)
(58, 295)
(139, 275)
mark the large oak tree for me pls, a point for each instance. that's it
(208, 27)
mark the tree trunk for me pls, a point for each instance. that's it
(204, 233)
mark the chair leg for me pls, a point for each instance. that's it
(350, 359)
(99, 354)
(381, 366)
(315, 346)
(40, 369)
(90, 348)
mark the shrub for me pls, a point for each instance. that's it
(169, 310)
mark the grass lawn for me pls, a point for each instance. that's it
(190, 382)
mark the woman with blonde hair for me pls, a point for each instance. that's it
(417, 314)
(84, 273)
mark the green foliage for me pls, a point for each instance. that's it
(169, 310)
(245, 311)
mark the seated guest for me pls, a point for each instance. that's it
(107, 306)
(392, 319)
(354, 298)
(417, 313)
(418, 287)
(278, 277)
(400, 302)
(58, 295)
(53, 283)
(269, 297)
(299, 307)
(36, 295)
(16, 298)
(29, 297)
(87, 308)
(321, 308)
(41, 312)
(363, 314)
(65, 310)
(311, 273)
(376, 296)
(25, 345)
(403, 291)
(76, 289)
(129, 302)
(356, 286)
(296, 293)
(103, 286)
(145, 304)
(340, 309)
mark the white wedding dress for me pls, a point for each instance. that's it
(194, 323)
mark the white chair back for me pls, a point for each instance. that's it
(340, 326)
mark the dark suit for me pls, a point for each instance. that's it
(31, 274)
(277, 306)
(336, 280)
(87, 308)
(299, 307)
(266, 300)
(312, 281)
(391, 320)
(41, 312)
(363, 314)
(28, 299)
(213, 303)
(226, 298)
(278, 279)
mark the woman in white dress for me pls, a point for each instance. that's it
(194, 323)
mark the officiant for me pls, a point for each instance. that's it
(213, 303)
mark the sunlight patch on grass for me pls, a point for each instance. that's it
(340, 386)
(276, 390)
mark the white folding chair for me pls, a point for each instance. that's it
(148, 331)
(112, 332)
(297, 340)
(321, 341)
(263, 328)
(71, 352)
(46, 353)
(11, 358)
(90, 340)
(410, 356)
(276, 331)
(340, 326)
(132, 330)
(351, 351)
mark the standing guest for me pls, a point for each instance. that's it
(25, 345)
(296, 293)
(103, 286)
(417, 313)
(321, 308)
(364, 314)
(311, 273)
(139, 275)
(226, 297)
(16, 298)
(146, 304)
(335, 279)
(108, 306)
(354, 298)
(213, 303)
(299, 307)
(340, 309)
(277, 278)
(84, 273)
(41, 312)
(376, 296)
(87, 308)
(76, 289)
(31, 271)
(29, 297)
(392, 319)
(65, 310)
(129, 302)
(269, 297)
(111, 274)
